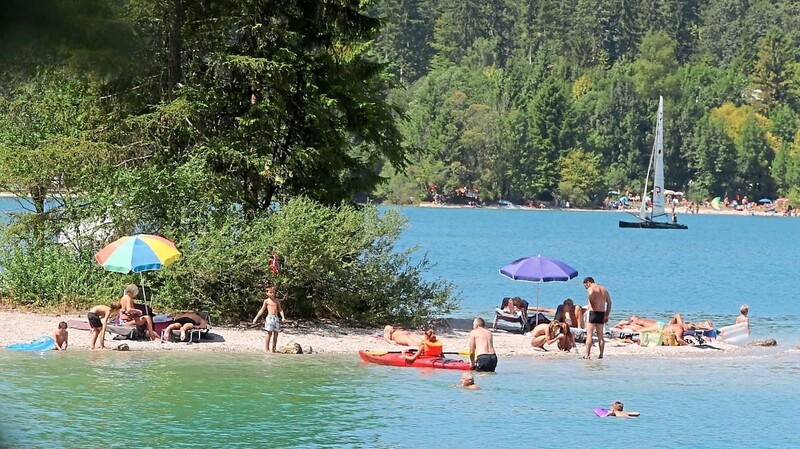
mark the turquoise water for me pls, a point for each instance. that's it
(160, 399)
(151, 400)
(705, 272)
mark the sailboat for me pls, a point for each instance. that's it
(646, 218)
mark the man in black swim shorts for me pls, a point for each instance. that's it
(486, 362)
(597, 317)
(599, 311)
(481, 347)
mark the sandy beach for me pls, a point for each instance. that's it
(758, 210)
(18, 327)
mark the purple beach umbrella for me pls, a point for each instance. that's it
(538, 269)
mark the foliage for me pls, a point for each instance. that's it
(336, 263)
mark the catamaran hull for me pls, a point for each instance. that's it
(651, 225)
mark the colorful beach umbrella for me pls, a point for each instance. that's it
(538, 269)
(138, 253)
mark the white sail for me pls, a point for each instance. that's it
(658, 170)
(657, 157)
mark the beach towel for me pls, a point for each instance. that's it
(650, 339)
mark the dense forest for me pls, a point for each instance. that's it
(239, 129)
(546, 99)
(246, 129)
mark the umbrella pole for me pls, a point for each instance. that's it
(537, 303)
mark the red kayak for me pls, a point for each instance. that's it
(397, 359)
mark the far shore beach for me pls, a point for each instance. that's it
(758, 210)
(19, 327)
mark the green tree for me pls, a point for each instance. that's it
(656, 67)
(753, 159)
(552, 126)
(713, 161)
(773, 72)
(581, 177)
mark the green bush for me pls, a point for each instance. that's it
(337, 263)
(54, 276)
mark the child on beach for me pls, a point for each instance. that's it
(272, 324)
(98, 320)
(743, 318)
(61, 337)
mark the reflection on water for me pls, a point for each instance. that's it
(248, 400)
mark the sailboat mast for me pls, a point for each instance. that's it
(658, 164)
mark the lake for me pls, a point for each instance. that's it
(162, 398)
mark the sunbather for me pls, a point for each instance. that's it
(400, 336)
(675, 327)
(185, 322)
(131, 316)
(567, 312)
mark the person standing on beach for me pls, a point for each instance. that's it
(599, 312)
(98, 320)
(61, 337)
(481, 347)
(272, 324)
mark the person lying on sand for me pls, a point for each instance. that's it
(184, 322)
(400, 336)
(675, 327)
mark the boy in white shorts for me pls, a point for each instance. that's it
(272, 324)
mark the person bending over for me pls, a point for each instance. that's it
(545, 334)
(98, 317)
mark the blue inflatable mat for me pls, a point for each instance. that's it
(40, 344)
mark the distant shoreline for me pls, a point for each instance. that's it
(758, 211)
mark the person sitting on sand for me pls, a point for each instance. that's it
(430, 347)
(400, 336)
(545, 334)
(184, 322)
(131, 316)
(566, 312)
(98, 317)
(617, 410)
(468, 381)
(61, 337)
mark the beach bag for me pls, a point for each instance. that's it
(650, 339)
